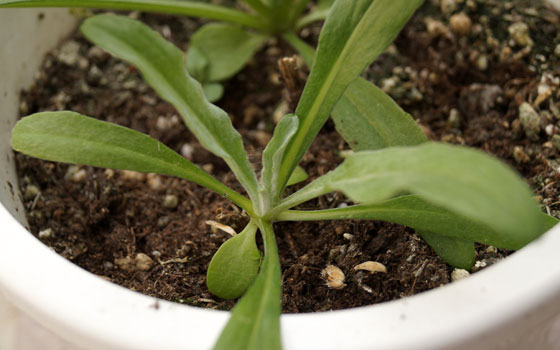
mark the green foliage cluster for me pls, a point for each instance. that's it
(453, 196)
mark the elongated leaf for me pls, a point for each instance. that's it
(467, 182)
(73, 138)
(454, 232)
(235, 265)
(318, 13)
(226, 48)
(272, 158)
(176, 7)
(369, 119)
(325, 4)
(255, 319)
(298, 7)
(162, 66)
(353, 35)
(456, 252)
(365, 116)
(408, 210)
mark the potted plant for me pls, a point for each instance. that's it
(356, 315)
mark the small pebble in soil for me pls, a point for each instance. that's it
(109, 174)
(460, 24)
(187, 151)
(46, 233)
(459, 274)
(163, 221)
(530, 121)
(141, 262)
(31, 191)
(154, 181)
(519, 32)
(170, 201)
(348, 236)
(69, 53)
(556, 141)
(208, 167)
(334, 277)
(519, 155)
(449, 6)
(72, 169)
(454, 118)
(132, 175)
(79, 176)
(371, 266)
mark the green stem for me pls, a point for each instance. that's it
(255, 319)
(186, 8)
(259, 7)
(243, 202)
(314, 16)
(355, 212)
(299, 7)
(315, 189)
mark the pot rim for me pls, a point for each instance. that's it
(98, 314)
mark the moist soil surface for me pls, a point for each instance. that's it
(462, 69)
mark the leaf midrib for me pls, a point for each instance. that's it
(316, 106)
(126, 151)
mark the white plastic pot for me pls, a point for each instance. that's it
(512, 305)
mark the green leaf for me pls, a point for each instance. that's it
(549, 221)
(319, 13)
(226, 47)
(73, 138)
(353, 35)
(259, 6)
(235, 265)
(175, 7)
(297, 176)
(255, 320)
(197, 64)
(272, 158)
(213, 91)
(162, 66)
(467, 182)
(324, 4)
(456, 252)
(408, 210)
(368, 119)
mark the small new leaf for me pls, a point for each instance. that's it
(272, 157)
(235, 265)
(299, 175)
(226, 47)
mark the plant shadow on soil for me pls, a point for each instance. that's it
(461, 89)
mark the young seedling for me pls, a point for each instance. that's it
(454, 196)
(217, 51)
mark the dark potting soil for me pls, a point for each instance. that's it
(462, 69)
